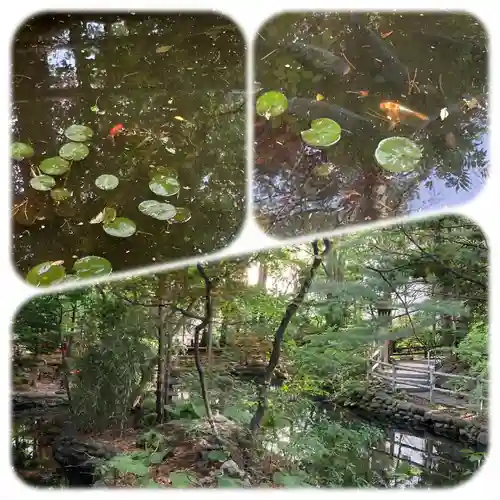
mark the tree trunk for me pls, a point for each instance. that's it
(262, 402)
(160, 377)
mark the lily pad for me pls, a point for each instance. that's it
(107, 182)
(271, 104)
(323, 133)
(182, 215)
(42, 182)
(121, 227)
(79, 133)
(46, 273)
(74, 151)
(91, 266)
(323, 170)
(398, 154)
(164, 186)
(108, 214)
(54, 166)
(60, 194)
(157, 210)
(21, 150)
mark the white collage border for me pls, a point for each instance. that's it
(249, 16)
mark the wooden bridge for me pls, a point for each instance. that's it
(423, 378)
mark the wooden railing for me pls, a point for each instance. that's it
(378, 367)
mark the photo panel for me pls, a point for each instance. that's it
(356, 361)
(365, 116)
(128, 141)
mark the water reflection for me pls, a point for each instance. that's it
(427, 63)
(175, 83)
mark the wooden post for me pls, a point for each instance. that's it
(431, 382)
(393, 378)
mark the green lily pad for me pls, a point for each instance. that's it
(79, 133)
(271, 104)
(91, 266)
(74, 151)
(54, 166)
(107, 182)
(157, 210)
(121, 227)
(42, 182)
(398, 154)
(182, 215)
(323, 170)
(164, 186)
(21, 150)
(322, 134)
(46, 273)
(60, 194)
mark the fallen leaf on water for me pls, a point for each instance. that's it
(319, 97)
(179, 118)
(58, 263)
(444, 114)
(472, 103)
(163, 49)
(388, 33)
(98, 218)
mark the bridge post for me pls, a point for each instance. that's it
(431, 382)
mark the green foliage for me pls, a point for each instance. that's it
(152, 440)
(182, 479)
(37, 326)
(228, 482)
(473, 350)
(217, 455)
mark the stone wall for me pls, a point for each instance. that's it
(381, 406)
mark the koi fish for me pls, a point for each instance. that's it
(395, 111)
(311, 110)
(116, 130)
(318, 58)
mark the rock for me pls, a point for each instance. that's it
(79, 458)
(230, 467)
(482, 438)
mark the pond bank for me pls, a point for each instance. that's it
(377, 404)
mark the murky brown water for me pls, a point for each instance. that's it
(176, 84)
(444, 61)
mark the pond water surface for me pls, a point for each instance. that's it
(426, 63)
(175, 83)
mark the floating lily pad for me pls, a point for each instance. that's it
(271, 104)
(91, 266)
(108, 214)
(323, 170)
(21, 150)
(107, 182)
(398, 154)
(54, 166)
(157, 210)
(74, 151)
(322, 134)
(46, 273)
(79, 133)
(121, 227)
(42, 182)
(60, 194)
(164, 186)
(182, 215)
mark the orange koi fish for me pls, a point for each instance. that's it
(395, 111)
(116, 130)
